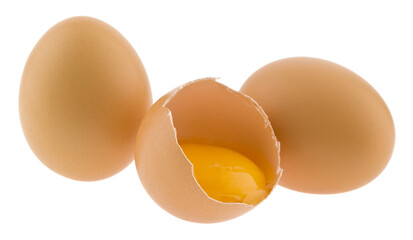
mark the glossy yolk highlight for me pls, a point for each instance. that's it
(226, 175)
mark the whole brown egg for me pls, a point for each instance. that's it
(336, 132)
(83, 94)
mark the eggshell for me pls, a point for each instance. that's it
(336, 132)
(83, 94)
(207, 112)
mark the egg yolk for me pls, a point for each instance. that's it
(226, 175)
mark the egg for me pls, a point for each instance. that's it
(83, 94)
(336, 132)
(206, 153)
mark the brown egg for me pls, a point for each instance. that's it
(207, 112)
(83, 94)
(335, 130)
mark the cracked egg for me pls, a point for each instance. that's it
(206, 153)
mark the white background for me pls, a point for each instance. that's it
(181, 41)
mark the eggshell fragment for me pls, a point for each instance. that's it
(83, 94)
(207, 112)
(336, 131)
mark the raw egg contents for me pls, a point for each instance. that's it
(226, 175)
(202, 183)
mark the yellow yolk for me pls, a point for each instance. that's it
(226, 175)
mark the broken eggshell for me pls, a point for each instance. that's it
(206, 112)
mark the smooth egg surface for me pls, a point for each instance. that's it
(336, 132)
(83, 94)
